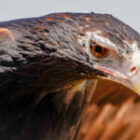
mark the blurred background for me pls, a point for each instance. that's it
(127, 11)
(113, 114)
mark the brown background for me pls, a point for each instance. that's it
(114, 114)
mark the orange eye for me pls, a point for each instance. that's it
(98, 50)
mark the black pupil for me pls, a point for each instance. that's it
(98, 49)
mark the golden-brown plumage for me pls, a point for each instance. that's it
(113, 114)
(48, 71)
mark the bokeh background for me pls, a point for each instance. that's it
(114, 114)
(126, 10)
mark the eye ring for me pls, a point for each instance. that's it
(98, 50)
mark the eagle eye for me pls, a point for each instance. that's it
(98, 50)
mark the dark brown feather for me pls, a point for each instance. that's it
(39, 65)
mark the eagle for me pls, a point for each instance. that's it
(50, 66)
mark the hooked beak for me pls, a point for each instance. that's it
(130, 81)
(135, 82)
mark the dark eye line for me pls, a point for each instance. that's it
(93, 43)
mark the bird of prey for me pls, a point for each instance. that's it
(49, 67)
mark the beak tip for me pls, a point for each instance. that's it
(136, 88)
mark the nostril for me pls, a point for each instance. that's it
(132, 69)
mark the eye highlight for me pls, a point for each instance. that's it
(98, 51)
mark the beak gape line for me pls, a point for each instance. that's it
(131, 81)
(104, 70)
